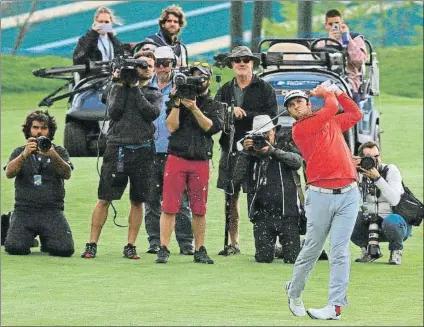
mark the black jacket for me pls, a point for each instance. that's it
(270, 180)
(132, 111)
(259, 99)
(161, 39)
(190, 141)
(87, 48)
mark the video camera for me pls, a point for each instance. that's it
(127, 67)
(186, 83)
(43, 143)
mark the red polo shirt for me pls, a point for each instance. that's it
(319, 137)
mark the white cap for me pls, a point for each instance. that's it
(294, 94)
(164, 53)
(262, 124)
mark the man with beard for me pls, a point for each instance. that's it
(165, 61)
(133, 105)
(171, 21)
(192, 123)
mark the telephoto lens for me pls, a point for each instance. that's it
(44, 143)
(368, 163)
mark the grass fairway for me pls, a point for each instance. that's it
(111, 291)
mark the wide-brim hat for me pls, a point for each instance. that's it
(242, 51)
(294, 94)
(263, 124)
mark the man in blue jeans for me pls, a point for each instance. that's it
(384, 193)
(332, 196)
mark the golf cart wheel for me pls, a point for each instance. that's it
(75, 139)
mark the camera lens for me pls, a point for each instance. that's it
(368, 163)
(44, 143)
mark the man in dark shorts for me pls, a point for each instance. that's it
(129, 153)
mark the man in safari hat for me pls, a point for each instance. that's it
(272, 194)
(251, 97)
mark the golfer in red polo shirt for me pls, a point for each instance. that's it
(332, 196)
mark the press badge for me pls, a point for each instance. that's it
(37, 180)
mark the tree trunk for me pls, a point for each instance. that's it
(304, 19)
(236, 29)
(258, 14)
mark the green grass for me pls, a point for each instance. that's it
(407, 82)
(110, 291)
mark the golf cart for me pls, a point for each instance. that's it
(290, 64)
(86, 121)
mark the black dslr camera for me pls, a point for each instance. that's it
(368, 163)
(259, 141)
(43, 143)
(127, 67)
(186, 83)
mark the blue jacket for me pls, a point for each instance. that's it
(162, 133)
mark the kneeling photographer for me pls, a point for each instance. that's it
(193, 117)
(39, 168)
(271, 190)
(376, 221)
(133, 103)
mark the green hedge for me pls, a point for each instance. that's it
(401, 72)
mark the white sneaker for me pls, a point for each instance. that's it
(326, 313)
(295, 304)
(395, 257)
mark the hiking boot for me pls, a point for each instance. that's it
(230, 249)
(201, 256)
(395, 257)
(187, 249)
(153, 249)
(296, 305)
(90, 250)
(163, 254)
(365, 257)
(130, 252)
(330, 312)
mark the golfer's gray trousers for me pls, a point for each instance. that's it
(333, 214)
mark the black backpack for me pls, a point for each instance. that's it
(409, 207)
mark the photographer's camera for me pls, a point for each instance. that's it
(43, 143)
(368, 163)
(187, 84)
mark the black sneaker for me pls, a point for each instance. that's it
(130, 252)
(153, 249)
(201, 256)
(187, 249)
(90, 250)
(230, 250)
(163, 254)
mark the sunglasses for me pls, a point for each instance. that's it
(245, 60)
(163, 63)
(103, 21)
(198, 63)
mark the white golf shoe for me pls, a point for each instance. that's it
(326, 313)
(295, 304)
